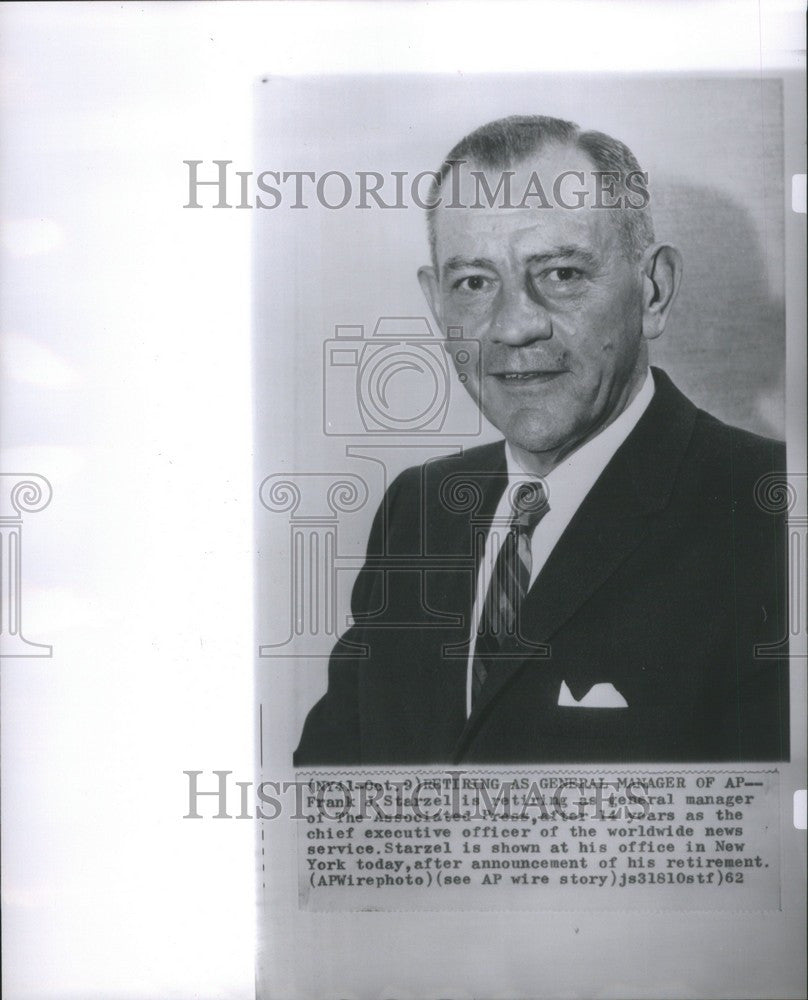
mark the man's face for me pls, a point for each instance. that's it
(554, 302)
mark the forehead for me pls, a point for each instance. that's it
(499, 233)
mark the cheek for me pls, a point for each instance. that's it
(473, 314)
(605, 330)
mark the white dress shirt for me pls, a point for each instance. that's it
(566, 487)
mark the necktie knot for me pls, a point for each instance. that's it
(529, 505)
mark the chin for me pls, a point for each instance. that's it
(534, 436)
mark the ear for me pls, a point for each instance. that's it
(428, 281)
(662, 274)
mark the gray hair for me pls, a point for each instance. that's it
(509, 141)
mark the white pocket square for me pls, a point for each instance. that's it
(598, 696)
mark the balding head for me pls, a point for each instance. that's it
(509, 143)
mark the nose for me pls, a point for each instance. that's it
(520, 318)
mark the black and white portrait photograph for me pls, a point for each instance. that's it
(579, 560)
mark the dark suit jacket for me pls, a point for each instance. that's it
(665, 581)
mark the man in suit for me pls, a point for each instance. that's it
(599, 586)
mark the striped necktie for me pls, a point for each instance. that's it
(499, 622)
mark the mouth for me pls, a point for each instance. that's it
(532, 376)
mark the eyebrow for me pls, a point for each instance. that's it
(555, 253)
(565, 253)
(460, 263)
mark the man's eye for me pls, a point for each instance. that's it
(562, 275)
(472, 283)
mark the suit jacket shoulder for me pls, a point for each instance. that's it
(737, 457)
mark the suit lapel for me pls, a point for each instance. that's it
(467, 499)
(456, 502)
(610, 524)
